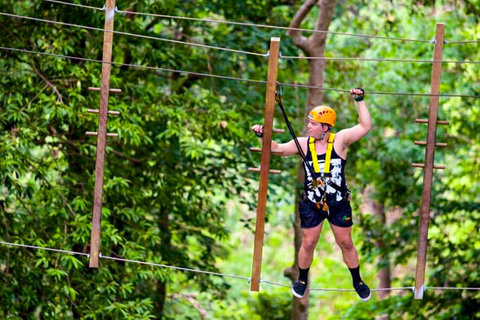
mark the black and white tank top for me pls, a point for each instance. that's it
(337, 170)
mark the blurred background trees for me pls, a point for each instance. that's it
(176, 187)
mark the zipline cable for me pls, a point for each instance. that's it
(134, 65)
(234, 50)
(221, 274)
(43, 248)
(380, 92)
(378, 59)
(261, 25)
(74, 4)
(234, 78)
(274, 27)
(133, 34)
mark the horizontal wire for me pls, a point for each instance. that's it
(377, 59)
(272, 27)
(380, 92)
(74, 4)
(261, 25)
(217, 273)
(43, 248)
(127, 260)
(234, 78)
(176, 268)
(464, 41)
(234, 50)
(452, 288)
(336, 289)
(133, 35)
(134, 65)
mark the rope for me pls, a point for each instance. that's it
(74, 4)
(133, 35)
(378, 59)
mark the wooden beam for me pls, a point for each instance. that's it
(102, 133)
(265, 163)
(272, 171)
(426, 121)
(422, 165)
(114, 113)
(99, 89)
(437, 144)
(94, 133)
(274, 151)
(429, 159)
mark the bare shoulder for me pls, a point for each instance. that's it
(290, 148)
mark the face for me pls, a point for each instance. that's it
(316, 129)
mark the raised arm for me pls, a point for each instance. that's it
(355, 133)
(288, 148)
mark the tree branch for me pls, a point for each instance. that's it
(48, 83)
(323, 21)
(191, 298)
(299, 40)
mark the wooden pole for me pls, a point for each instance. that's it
(102, 133)
(265, 163)
(429, 160)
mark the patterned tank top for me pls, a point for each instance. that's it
(337, 171)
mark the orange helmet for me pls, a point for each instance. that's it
(323, 114)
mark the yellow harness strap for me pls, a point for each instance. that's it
(313, 151)
(328, 154)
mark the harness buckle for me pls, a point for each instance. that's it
(316, 183)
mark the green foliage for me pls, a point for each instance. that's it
(175, 186)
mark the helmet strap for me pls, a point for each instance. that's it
(323, 135)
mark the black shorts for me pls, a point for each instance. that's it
(340, 214)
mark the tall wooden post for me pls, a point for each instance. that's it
(265, 163)
(102, 133)
(429, 162)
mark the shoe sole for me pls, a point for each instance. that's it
(367, 298)
(296, 294)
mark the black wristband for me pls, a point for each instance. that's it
(259, 134)
(361, 96)
(358, 99)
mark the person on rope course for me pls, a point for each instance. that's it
(325, 194)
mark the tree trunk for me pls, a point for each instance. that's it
(314, 46)
(160, 294)
(378, 209)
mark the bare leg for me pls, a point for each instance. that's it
(343, 237)
(309, 242)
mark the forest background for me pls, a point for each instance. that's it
(177, 190)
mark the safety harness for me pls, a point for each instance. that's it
(318, 179)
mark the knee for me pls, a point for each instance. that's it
(309, 245)
(346, 244)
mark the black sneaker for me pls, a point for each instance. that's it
(298, 288)
(363, 291)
